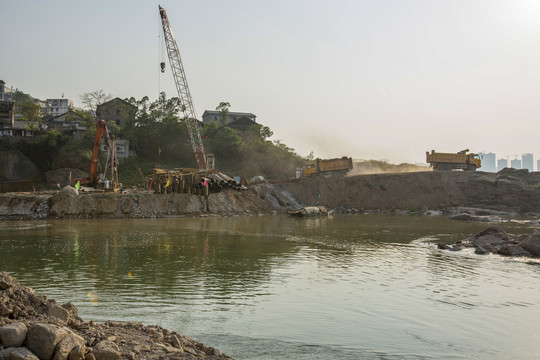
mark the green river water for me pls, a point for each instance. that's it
(277, 287)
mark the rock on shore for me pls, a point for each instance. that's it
(33, 327)
(496, 240)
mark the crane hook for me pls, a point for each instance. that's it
(162, 66)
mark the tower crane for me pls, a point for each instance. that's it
(183, 91)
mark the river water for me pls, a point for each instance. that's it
(276, 287)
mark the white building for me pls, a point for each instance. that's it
(488, 162)
(528, 161)
(57, 107)
(515, 164)
(501, 164)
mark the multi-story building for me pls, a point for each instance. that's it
(57, 107)
(501, 164)
(488, 162)
(528, 161)
(116, 111)
(69, 123)
(537, 165)
(515, 164)
(235, 120)
(2, 91)
(7, 113)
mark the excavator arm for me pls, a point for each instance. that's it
(100, 132)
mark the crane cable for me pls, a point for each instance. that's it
(159, 55)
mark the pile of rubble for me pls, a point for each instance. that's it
(33, 327)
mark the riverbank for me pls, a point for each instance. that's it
(511, 192)
(259, 199)
(508, 191)
(34, 327)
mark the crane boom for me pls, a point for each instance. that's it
(183, 91)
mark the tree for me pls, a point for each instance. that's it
(92, 99)
(165, 110)
(31, 113)
(225, 143)
(223, 109)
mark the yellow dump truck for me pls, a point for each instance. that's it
(451, 161)
(328, 166)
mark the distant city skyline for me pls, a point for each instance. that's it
(526, 161)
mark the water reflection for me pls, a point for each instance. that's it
(346, 284)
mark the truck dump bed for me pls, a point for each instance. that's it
(446, 158)
(343, 163)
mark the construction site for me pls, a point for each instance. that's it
(450, 180)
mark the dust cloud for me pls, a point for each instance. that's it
(362, 167)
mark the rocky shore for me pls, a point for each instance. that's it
(33, 327)
(495, 240)
(259, 199)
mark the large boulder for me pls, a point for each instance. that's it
(532, 243)
(13, 335)
(58, 312)
(43, 338)
(69, 191)
(107, 350)
(14, 165)
(68, 344)
(23, 354)
(513, 250)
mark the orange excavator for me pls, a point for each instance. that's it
(92, 179)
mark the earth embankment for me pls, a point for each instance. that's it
(260, 199)
(509, 189)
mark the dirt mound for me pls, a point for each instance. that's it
(508, 190)
(20, 305)
(14, 165)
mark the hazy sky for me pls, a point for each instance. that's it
(368, 79)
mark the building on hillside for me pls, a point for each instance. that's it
(236, 120)
(528, 161)
(69, 123)
(515, 164)
(2, 90)
(488, 162)
(501, 164)
(7, 116)
(57, 107)
(7, 111)
(116, 111)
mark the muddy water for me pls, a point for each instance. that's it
(344, 287)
